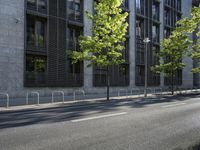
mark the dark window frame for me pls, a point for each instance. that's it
(73, 13)
(36, 7)
(35, 46)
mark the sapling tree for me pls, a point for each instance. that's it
(104, 47)
(179, 45)
(173, 49)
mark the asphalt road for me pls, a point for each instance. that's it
(151, 124)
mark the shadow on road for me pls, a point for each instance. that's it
(60, 113)
(195, 147)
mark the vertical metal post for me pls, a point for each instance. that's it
(52, 98)
(146, 41)
(145, 80)
(27, 99)
(63, 98)
(74, 96)
(8, 101)
(108, 83)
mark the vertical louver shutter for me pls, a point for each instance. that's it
(57, 43)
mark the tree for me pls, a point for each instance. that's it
(104, 48)
(196, 46)
(178, 45)
(173, 49)
(189, 26)
(196, 53)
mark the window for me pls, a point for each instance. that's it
(75, 71)
(73, 37)
(99, 76)
(155, 58)
(31, 3)
(38, 5)
(124, 4)
(140, 72)
(167, 2)
(166, 33)
(36, 34)
(155, 11)
(140, 28)
(140, 57)
(178, 17)
(36, 67)
(125, 52)
(123, 76)
(155, 33)
(75, 10)
(167, 17)
(140, 6)
(178, 5)
(42, 4)
(35, 63)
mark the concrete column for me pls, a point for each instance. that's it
(132, 42)
(187, 74)
(161, 35)
(11, 46)
(88, 73)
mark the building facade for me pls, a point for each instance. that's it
(36, 36)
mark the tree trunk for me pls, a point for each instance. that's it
(108, 84)
(172, 83)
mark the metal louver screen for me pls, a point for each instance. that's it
(57, 43)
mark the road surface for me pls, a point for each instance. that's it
(169, 123)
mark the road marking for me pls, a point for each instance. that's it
(173, 105)
(99, 117)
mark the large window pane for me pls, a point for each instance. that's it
(140, 6)
(40, 26)
(155, 33)
(36, 34)
(155, 11)
(35, 63)
(31, 37)
(75, 12)
(125, 4)
(166, 33)
(31, 3)
(42, 4)
(37, 5)
(167, 17)
(139, 28)
(75, 71)
(178, 5)
(36, 67)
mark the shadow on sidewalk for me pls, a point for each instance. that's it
(62, 112)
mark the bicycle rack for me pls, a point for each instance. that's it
(7, 97)
(61, 92)
(137, 90)
(179, 91)
(158, 90)
(195, 89)
(79, 91)
(186, 90)
(119, 92)
(31, 93)
(150, 90)
(191, 89)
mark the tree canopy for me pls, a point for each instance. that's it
(105, 46)
(180, 44)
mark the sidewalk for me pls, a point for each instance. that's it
(21, 103)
